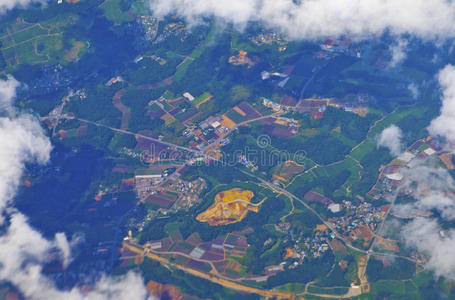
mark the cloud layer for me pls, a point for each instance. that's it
(391, 138)
(311, 19)
(24, 250)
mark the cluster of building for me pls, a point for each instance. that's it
(114, 80)
(188, 191)
(134, 153)
(170, 196)
(213, 122)
(211, 130)
(211, 133)
(243, 160)
(173, 29)
(358, 218)
(271, 38)
(391, 176)
(208, 134)
(359, 107)
(150, 26)
(271, 104)
(343, 46)
(352, 224)
(153, 57)
(301, 246)
(317, 106)
(54, 115)
(291, 123)
(51, 79)
(242, 59)
(145, 182)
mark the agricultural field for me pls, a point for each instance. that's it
(287, 171)
(204, 98)
(113, 11)
(369, 144)
(39, 43)
(222, 255)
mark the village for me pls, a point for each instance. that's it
(164, 193)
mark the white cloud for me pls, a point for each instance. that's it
(414, 89)
(6, 5)
(426, 236)
(391, 138)
(433, 189)
(7, 92)
(64, 247)
(444, 125)
(431, 186)
(23, 253)
(23, 140)
(24, 250)
(398, 52)
(312, 19)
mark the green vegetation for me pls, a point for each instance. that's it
(39, 43)
(187, 283)
(201, 98)
(399, 269)
(303, 273)
(116, 11)
(370, 143)
(327, 291)
(182, 70)
(122, 140)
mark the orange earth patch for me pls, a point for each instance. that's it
(239, 111)
(226, 122)
(230, 207)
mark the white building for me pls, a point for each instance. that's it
(334, 207)
(188, 96)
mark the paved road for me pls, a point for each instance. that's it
(197, 152)
(217, 142)
(204, 154)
